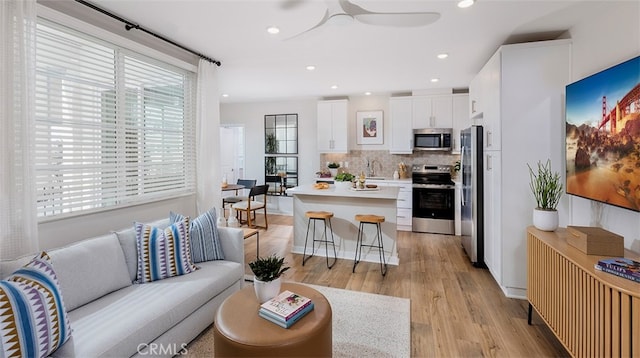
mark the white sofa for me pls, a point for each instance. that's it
(112, 317)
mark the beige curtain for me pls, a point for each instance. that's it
(208, 175)
(18, 217)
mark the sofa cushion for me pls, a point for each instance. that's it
(118, 324)
(90, 269)
(205, 241)
(127, 238)
(33, 319)
(163, 253)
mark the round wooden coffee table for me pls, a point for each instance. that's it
(240, 332)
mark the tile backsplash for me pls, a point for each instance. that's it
(355, 161)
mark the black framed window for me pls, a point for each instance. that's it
(281, 149)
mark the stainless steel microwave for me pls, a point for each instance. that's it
(434, 139)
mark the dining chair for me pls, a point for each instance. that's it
(252, 204)
(247, 183)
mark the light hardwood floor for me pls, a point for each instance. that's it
(456, 310)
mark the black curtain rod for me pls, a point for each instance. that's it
(130, 25)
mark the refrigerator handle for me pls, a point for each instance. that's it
(463, 149)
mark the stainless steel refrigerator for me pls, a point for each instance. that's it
(472, 194)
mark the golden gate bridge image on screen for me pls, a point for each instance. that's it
(603, 161)
(618, 116)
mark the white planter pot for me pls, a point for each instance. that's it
(333, 172)
(545, 220)
(266, 290)
(343, 185)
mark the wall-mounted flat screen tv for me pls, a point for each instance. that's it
(603, 136)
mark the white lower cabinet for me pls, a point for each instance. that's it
(404, 203)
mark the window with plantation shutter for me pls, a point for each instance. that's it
(113, 128)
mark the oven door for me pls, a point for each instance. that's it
(433, 201)
(433, 209)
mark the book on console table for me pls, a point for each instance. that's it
(271, 317)
(285, 305)
(620, 266)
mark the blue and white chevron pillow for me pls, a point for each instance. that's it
(205, 240)
(33, 319)
(163, 253)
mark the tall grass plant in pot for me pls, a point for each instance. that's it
(547, 189)
(267, 278)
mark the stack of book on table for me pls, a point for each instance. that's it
(620, 266)
(285, 309)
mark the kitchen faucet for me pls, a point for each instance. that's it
(372, 171)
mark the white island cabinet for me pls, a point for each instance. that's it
(345, 204)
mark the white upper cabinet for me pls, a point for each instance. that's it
(475, 97)
(332, 126)
(461, 119)
(484, 94)
(401, 125)
(432, 111)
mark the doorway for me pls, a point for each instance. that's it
(232, 157)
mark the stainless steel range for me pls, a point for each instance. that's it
(433, 199)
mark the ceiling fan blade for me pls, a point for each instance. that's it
(402, 19)
(290, 4)
(398, 19)
(324, 19)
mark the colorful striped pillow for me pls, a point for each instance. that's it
(33, 320)
(163, 253)
(205, 240)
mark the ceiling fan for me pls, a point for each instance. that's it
(344, 11)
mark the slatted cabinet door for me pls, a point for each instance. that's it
(591, 312)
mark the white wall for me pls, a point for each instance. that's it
(251, 115)
(599, 42)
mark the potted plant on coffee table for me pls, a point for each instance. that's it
(267, 276)
(547, 189)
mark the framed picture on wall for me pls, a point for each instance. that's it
(369, 127)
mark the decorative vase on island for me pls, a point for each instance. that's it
(333, 171)
(545, 220)
(266, 290)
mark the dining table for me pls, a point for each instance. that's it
(235, 187)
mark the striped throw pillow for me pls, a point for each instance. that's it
(33, 319)
(163, 253)
(205, 240)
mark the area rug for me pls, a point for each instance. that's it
(364, 325)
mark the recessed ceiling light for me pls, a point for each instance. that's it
(334, 87)
(434, 80)
(367, 93)
(273, 30)
(442, 56)
(225, 95)
(311, 67)
(465, 3)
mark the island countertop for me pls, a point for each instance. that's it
(383, 192)
(345, 204)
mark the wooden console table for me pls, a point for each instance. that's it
(592, 313)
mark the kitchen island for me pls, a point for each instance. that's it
(345, 204)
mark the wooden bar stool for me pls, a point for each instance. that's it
(373, 220)
(325, 216)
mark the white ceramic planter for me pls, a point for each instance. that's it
(545, 220)
(266, 290)
(333, 172)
